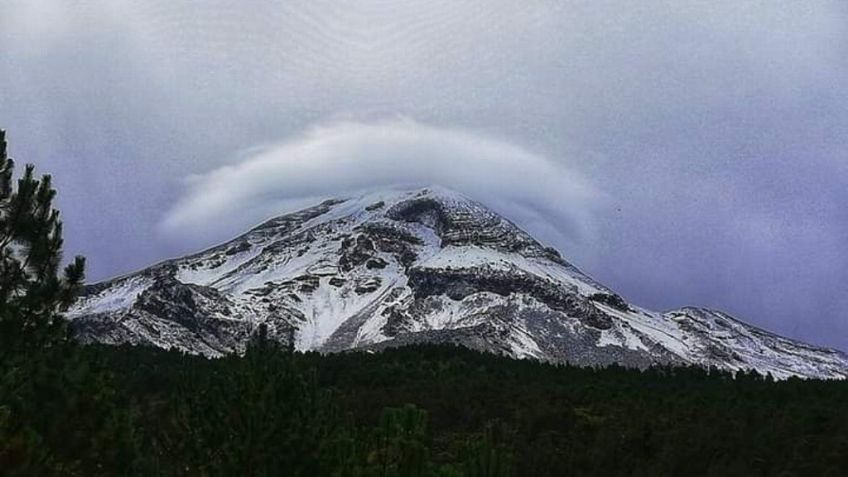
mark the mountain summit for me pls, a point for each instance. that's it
(399, 267)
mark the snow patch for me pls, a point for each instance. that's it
(120, 296)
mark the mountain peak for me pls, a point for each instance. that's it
(398, 266)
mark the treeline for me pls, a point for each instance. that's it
(417, 411)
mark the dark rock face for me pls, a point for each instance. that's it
(422, 210)
(376, 264)
(460, 283)
(177, 302)
(355, 251)
(400, 267)
(468, 226)
(308, 283)
(238, 248)
(612, 300)
(169, 311)
(392, 240)
(375, 206)
(370, 286)
(286, 223)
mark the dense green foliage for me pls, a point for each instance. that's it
(31, 290)
(418, 411)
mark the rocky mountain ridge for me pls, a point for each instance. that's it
(406, 266)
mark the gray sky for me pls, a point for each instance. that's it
(681, 152)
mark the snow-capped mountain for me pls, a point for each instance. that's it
(397, 267)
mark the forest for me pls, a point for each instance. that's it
(414, 411)
(68, 409)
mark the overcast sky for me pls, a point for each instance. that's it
(681, 152)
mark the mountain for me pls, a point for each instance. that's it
(398, 267)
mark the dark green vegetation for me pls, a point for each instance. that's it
(417, 411)
(72, 410)
(31, 291)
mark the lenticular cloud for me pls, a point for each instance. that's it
(342, 159)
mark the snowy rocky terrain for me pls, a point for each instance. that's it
(398, 267)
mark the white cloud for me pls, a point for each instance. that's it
(340, 159)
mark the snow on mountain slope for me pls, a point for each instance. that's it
(404, 266)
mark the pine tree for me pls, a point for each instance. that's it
(489, 456)
(32, 294)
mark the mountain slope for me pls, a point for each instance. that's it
(397, 267)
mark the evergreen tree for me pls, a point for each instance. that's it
(32, 293)
(489, 456)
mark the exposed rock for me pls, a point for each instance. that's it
(376, 263)
(409, 267)
(611, 299)
(370, 286)
(375, 206)
(460, 283)
(355, 251)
